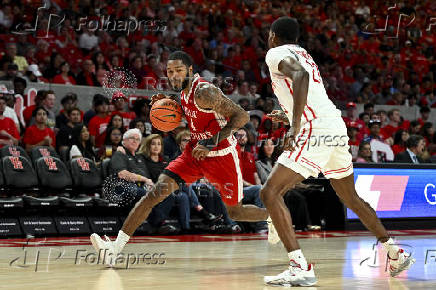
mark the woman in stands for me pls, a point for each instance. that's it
(152, 151)
(39, 134)
(111, 142)
(64, 77)
(82, 146)
(400, 139)
(365, 154)
(116, 121)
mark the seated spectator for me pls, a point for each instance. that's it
(427, 132)
(400, 139)
(27, 113)
(170, 143)
(381, 151)
(87, 76)
(20, 61)
(152, 153)
(138, 123)
(415, 127)
(395, 123)
(374, 131)
(98, 124)
(364, 155)
(39, 134)
(246, 159)
(268, 154)
(82, 146)
(415, 148)
(142, 112)
(425, 115)
(111, 143)
(120, 102)
(64, 77)
(65, 134)
(33, 74)
(9, 111)
(354, 138)
(182, 139)
(116, 121)
(9, 134)
(351, 116)
(11, 73)
(68, 102)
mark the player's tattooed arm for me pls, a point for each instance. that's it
(209, 97)
(300, 79)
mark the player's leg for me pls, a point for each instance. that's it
(142, 209)
(280, 180)
(225, 174)
(398, 259)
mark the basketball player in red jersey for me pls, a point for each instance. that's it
(211, 152)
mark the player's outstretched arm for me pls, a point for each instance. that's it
(292, 69)
(209, 97)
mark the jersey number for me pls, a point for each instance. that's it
(315, 71)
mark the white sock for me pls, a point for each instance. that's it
(391, 248)
(299, 258)
(121, 240)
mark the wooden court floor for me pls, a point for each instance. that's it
(343, 260)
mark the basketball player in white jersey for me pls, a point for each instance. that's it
(317, 142)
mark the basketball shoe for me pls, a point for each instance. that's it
(105, 249)
(402, 263)
(273, 237)
(293, 276)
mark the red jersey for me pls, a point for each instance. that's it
(9, 126)
(97, 128)
(203, 124)
(34, 135)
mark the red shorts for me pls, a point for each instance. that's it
(221, 169)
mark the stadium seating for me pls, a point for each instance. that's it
(85, 173)
(18, 172)
(13, 151)
(52, 173)
(42, 151)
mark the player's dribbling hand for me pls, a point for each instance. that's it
(200, 152)
(278, 116)
(290, 141)
(157, 97)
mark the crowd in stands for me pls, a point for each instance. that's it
(228, 42)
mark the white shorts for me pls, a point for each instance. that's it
(321, 146)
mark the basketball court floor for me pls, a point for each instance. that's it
(343, 260)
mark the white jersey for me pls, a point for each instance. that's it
(318, 104)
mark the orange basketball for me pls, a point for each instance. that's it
(166, 115)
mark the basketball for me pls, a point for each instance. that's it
(165, 115)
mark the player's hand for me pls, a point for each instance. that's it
(157, 97)
(290, 139)
(200, 152)
(278, 116)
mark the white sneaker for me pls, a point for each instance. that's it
(273, 237)
(105, 249)
(402, 263)
(293, 276)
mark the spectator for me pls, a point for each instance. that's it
(34, 75)
(415, 127)
(111, 143)
(46, 100)
(119, 100)
(27, 113)
(9, 134)
(142, 111)
(374, 131)
(11, 73)
(99, 61)
(400, 139)
(268, 154)
(170, 143)
(138, 123)
(394, 124)
(39, 134)
(20, 61)
(415, 147)
(243, 92)
(91, 112)
(98, 124)
(246, 159)
(64, 77)
(65, 136)
(87, 76)
(427, 132)
(364, 155)
(209, 72)
(152, 152)
(82, 146)
(116, 121)
(425, 115)
(87, 40)
(352, 116)
(354, 138)
(68, 102)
